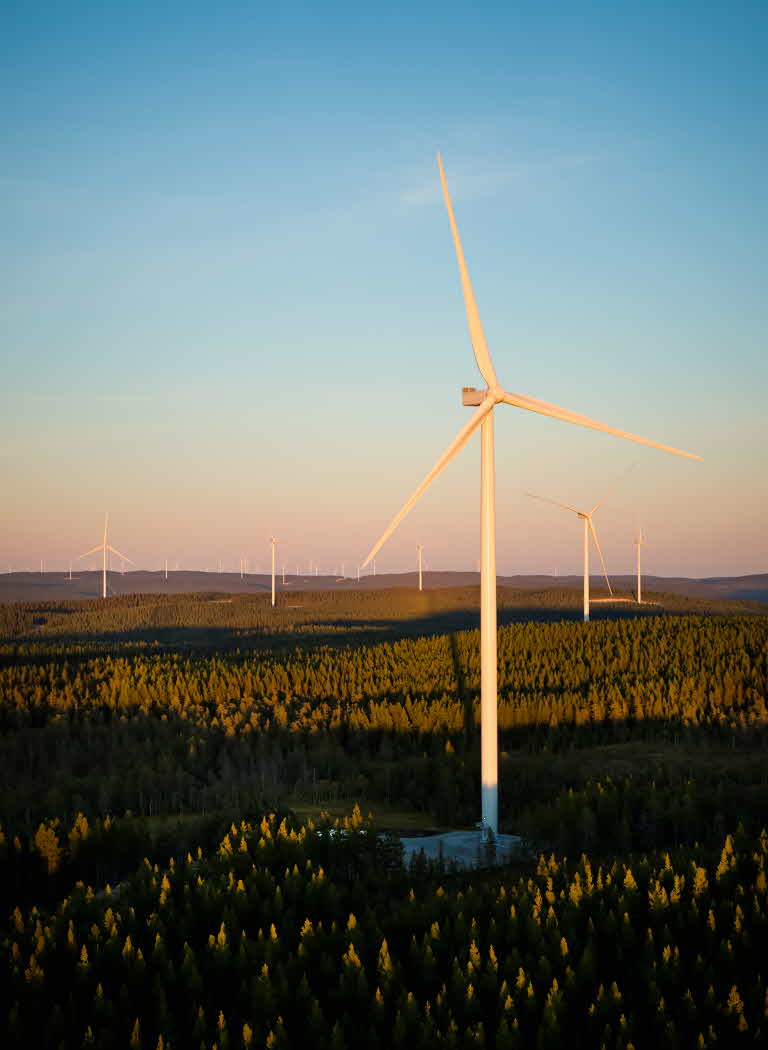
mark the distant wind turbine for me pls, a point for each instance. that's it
(104, 547)
(639, 543)
(484, 402)
(420, 549)
(589, 527)
(274, 543)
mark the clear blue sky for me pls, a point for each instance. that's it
(229, 303)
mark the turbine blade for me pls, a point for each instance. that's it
(119, 555)
(106, 521)
(554, 503)
(453, 449)
(93, 550)
(476, 334)
(602, 559)
(613, 487)
(544, 408)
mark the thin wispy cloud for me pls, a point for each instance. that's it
(61, 398)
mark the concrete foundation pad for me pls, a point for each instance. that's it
(464, 848)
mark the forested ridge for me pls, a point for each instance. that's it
(214, 619)
(155, 733)
(638, 742)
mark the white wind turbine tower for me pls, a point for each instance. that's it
(104, 547)
(484, 402)
(420, 550)
(589, 527)
(638, 543)
(274, 543)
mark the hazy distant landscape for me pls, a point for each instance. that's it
(51, 586)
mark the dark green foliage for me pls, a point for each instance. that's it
(395, 722)
(289, 937)
(620, 740)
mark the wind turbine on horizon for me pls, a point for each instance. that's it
(274, 543)
(484, 402)
(104, 547)
(589, 527)
(639, 543)
(420, 550)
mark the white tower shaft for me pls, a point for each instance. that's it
(488, 647)
(586, 569)
(274, 543)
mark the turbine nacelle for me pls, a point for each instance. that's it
(473, 398)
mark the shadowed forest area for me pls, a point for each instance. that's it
(213, 760)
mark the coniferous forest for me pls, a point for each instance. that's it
(201, 798)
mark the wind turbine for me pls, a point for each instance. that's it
(104, 547)
(638, 543)
(589, 527)
(274, 543)
(419, 548)
(484, 402)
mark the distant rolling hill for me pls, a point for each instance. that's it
(53, 586)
